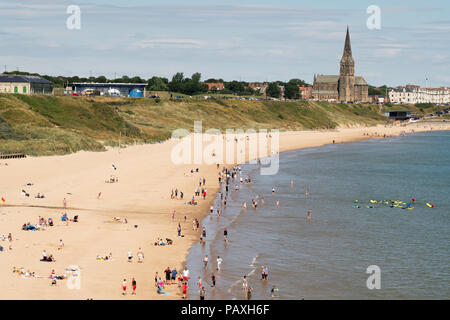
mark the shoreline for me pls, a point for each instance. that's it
(145, 188)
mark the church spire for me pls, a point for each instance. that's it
(348, 46)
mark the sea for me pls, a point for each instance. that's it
(352, 248)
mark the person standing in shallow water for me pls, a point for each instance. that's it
(309, 215)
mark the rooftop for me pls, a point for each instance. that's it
(23, 78)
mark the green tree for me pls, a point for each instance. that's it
(177, 82)
(157, 84)
(273, 90)
(291, 91)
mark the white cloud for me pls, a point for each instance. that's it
(172, 43)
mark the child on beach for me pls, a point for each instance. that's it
(124, 287)
(185, 286)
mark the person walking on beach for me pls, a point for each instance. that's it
(124, 287)
(278, 203)
(204, 232)
(205, 261)
(266, 272)
(249, 293)
(202, 293)
(219, 263)
(168, 273)
(185, 286)
(130, 256)
(140, 255)
(213, 280)
(225, 235)
(244, 284)
(174, 276)
(179, 230)
(173, 215)
(186, 274)
(133, 285)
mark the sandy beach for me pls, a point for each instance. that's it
(146, 177)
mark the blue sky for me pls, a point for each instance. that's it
(247, 40)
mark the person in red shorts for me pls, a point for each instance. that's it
(133, 284)
(185, 285)
(124, 286)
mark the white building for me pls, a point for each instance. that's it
(415, 94)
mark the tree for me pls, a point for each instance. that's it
(157, 84)
(177, 82)
(291, 91)
(273, 90)
(298, 82)
(235, 86)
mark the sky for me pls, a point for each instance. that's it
(264, 40)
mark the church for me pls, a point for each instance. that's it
(345, 87)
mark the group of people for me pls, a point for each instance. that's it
(174, 194)
(161, 242)
(133, 286)
(47, 257)
(139, 254)
(25, 274)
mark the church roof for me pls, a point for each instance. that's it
(326, 78)
(360, 81)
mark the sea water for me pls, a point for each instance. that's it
(328, 257)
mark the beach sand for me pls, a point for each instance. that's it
(142, 195)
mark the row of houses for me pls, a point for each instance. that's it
(412, 94)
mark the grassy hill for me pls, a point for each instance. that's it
(44, 125)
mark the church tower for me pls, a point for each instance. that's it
(347, 73)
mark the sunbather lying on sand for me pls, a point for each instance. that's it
(25, 274)
(108, 257)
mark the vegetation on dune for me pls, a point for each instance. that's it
(44, 125)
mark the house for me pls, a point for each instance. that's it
(25, 84)
(218, 85)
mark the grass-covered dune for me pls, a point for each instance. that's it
(44, 125)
